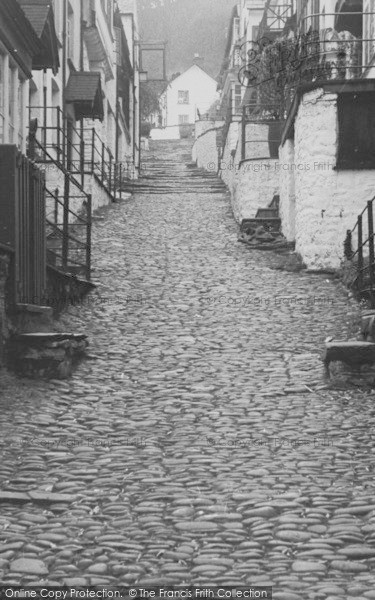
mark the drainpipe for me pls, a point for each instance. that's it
(134, 95)
(45, 111)
(82, 143)
(64, 55)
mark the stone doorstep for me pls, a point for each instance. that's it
(42, 337)
(257, 222)
(351, 352)
(50, 355)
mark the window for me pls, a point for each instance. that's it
(183, 119)
(369, 32)
(237, 96)
(183, 97)
(2, 84)
(356, 122)
(21, 112)
(311, 12)
(236, 29)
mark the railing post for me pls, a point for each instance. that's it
(82, 151)
(120, 181)
(360, 254)
(56, 207)
(103, 162)
(65, 241)
(88, 236)
(58, 132)
(371, 244)
(110, 186)
(243, 134)
(45, 128)
(93, 151)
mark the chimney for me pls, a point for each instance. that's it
(198, 60)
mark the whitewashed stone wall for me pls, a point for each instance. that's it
(55, 180)
(287, 208)
(99, 196)
(257, 183)
(205, 151)
(327, 201)
(229, 162)
(203, 126)
(166, 133)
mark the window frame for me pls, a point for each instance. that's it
(187, 97)
(355, 131)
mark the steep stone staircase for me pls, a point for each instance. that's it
(174, 174)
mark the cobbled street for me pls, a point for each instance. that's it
(200, 443)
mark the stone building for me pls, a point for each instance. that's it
(69, 140)
(185, 99)
(303, 129)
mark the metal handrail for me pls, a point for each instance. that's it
(363, 285)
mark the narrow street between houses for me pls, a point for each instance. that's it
(200, 443)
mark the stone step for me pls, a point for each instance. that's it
(352, 353)
(271, 223)
(48, 355)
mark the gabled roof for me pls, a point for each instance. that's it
(40, 15)
(18, 36)
(85, 92)
(189, 69)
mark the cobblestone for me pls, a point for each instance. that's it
(201, 441)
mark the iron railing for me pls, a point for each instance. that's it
(363, 257)
(68, 224)
(326, 47)
(22, 228)
(79, 151)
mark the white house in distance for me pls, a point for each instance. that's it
(186, 99)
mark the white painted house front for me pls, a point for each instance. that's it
(188, 96)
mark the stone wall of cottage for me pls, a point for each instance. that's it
(287, 207)
(228, 170)
(327, 201)
(257, 183)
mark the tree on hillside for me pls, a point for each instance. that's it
(149, 101)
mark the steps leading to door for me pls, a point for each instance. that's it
(47, 355)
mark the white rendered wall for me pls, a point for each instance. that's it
(202, 93)
(327, 201)
(257, 182)
(205, 151)
(287, 207)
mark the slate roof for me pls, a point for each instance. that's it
(39, 13)
(84, 90)
(82, 86)
(36, 12)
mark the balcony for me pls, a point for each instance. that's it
(340, 44)
(329, 49)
